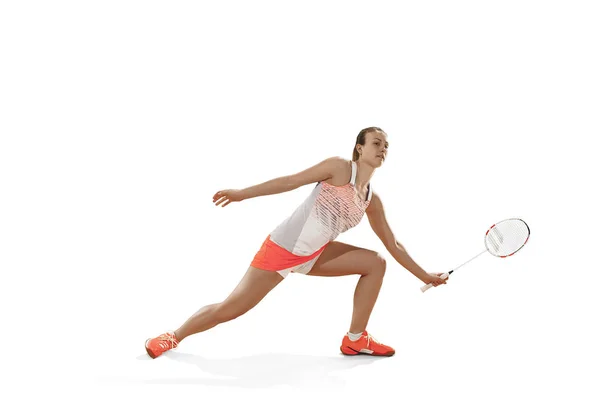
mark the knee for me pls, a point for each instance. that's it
(380, 265)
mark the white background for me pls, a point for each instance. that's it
(120, 119)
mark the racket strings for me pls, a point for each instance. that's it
(506, 237)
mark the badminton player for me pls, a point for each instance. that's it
(304, 243)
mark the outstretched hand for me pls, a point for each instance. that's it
(435, 279)
(224, 197)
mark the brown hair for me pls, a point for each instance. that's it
(360, 139)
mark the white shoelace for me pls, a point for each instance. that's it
(369, 338)
(167, 341)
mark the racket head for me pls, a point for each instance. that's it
(506, 237)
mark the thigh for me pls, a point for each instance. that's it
(339, 259)
(252, 288)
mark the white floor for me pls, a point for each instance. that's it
(499, 341)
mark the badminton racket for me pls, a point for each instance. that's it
(501, 240)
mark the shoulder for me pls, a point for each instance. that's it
(376, 205)
(337, 165)
(325, 170)
(341, 170)
(337, 161)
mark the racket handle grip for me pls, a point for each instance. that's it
(429, 285)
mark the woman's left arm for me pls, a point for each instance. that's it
(376, 215)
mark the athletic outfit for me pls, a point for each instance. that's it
(296, 244)
(298, 241)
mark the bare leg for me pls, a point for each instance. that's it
(339, 259)
(253, 287)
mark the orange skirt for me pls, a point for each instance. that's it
(273, 257)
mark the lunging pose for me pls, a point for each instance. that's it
(305, 243)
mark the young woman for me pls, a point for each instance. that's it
(304, 243)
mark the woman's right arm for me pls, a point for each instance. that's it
(318, 172)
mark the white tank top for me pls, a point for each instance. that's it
(327, 212)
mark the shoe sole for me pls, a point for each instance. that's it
(351, 352)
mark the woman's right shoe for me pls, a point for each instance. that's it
(158, 345)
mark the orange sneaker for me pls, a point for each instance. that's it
(167, 341)
(367, 344)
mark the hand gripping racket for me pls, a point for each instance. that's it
(502, 240)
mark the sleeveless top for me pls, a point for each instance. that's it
(327, 212)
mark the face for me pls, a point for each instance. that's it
(375, 149)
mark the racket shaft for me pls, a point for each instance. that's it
(445, 275)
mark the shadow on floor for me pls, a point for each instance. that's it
(266, 370)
